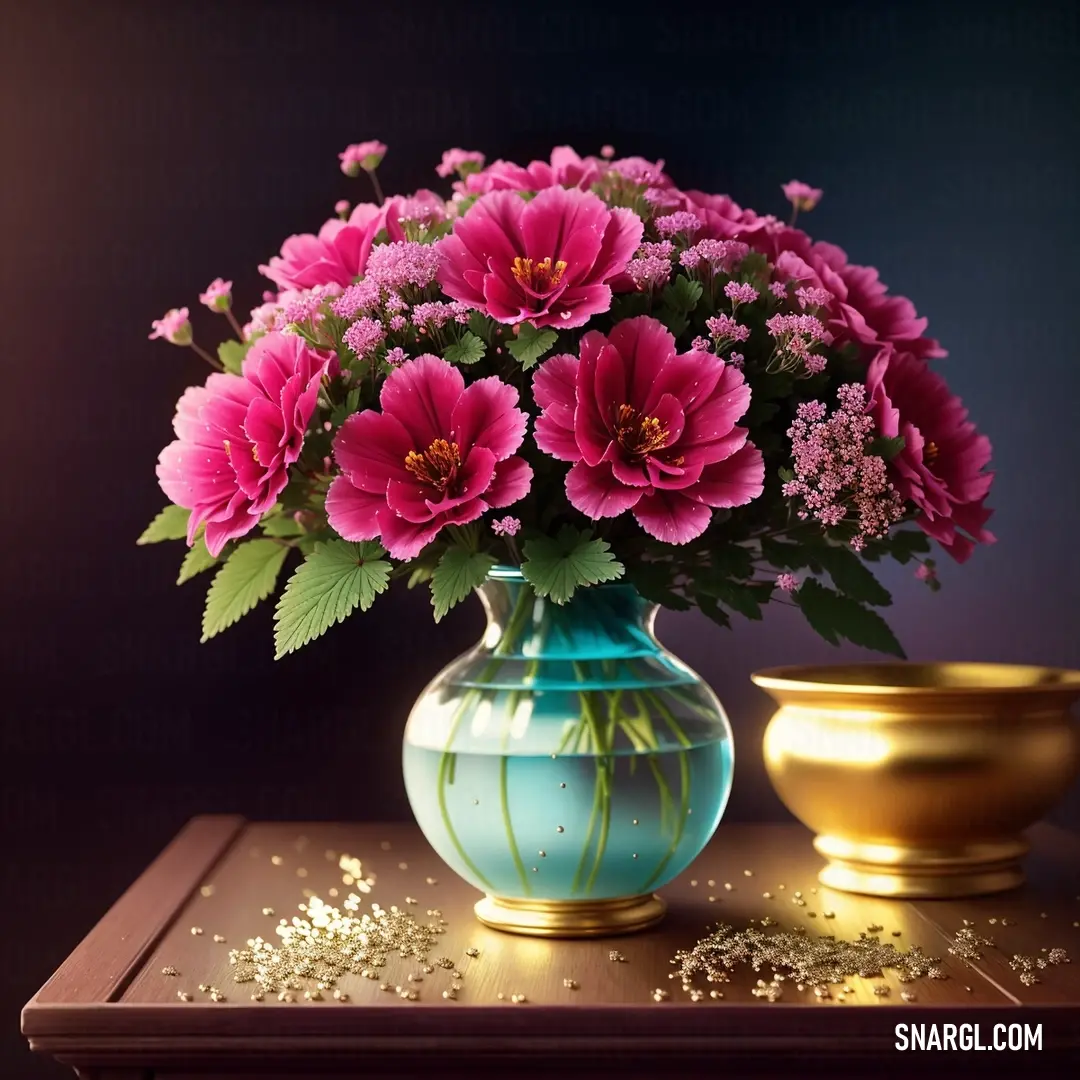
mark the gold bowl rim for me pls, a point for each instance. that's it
(951, 678)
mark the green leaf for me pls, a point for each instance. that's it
(458, 573)
(346, 408)
(682, 294)
(170, 524)
(326, 588)
(743, 598)
(785, 474)
(248, 576)
(307, 543)
(850, 575)
(196, 561)
(887, 447)
(556, 566)
(468, 350)
(653, 580)
(906, 543)
(483, 326)
(709, 607)
(530, 344)
(729, 561)
(232, 353)
(760, 412)
(283, 526)
(834, 616)
(630, 304)
(785, 556)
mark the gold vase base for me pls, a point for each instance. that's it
(922, 873)
(571, 918)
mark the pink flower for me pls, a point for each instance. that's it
(174, 327)
(648, 430)
(787, 582)
(438, 454)
(337, 254)
(218, 295)
(362, 156)
(460, 161)
(801, 196)
(423, 208)
(507, 526)
(237, 437)
(341, 208)
(548, 260)
(566, 169)
(925, 573)
(941, 468)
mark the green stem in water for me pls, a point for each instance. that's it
(684, 787)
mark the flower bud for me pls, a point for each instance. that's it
(218, 295)
(174, 328)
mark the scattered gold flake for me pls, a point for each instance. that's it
(301, 872)
(559, 828)
(766, 896)
(412, 900)
(660, 995)
(332, 892)
(449, 995)
(715, 995)
(455, 986)
(798, 901)
(771, 991)
(196, 931)
(518, 999)
(1008, 922)
(277, 860)
(748, 873)
(217, 996)
(562, 785)
(268, 911)
(968, 989)
(207, 890)
(570, 984)
(812, 914)
(1042, 915)
(829, 914)
(728, 886)
(635, 821)
(616, 956)
(873, 928)
(906, 996)
(340, 995)
(882, 991)
(403, 866)
(432, 881)
(712, 899)
(693, 882)
(781, 887)
(896, 933)
(286, 996)
(967, 944)
(472, 950)
(257, 996)
(219, 938)
(169, 970)
(500, 996)
(385, 845)
(313, 995)
(993, 922)
(204, 988)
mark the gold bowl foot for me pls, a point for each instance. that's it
(928, 873)
(571, 918)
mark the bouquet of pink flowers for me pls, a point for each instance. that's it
(577, 368)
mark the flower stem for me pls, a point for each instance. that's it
(376, 186)
(684, 787)
(213, 361)
(234, 324)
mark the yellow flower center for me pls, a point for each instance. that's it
(541, 276)
(639, 435)
(437, 465)
(930, 452)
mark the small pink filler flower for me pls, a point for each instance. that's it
(363, 156)
(648, 430)
(438, 454)
(237, 436)
(173, 328)
(218, 295)
(548, 260)
(801, 196)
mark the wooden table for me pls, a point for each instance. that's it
(113, 1014)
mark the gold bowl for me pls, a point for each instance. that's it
(919, 779)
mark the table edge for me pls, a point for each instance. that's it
(136, 921)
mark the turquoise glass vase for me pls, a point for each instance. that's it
(567, 765)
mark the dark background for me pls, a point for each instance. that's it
(146, 148)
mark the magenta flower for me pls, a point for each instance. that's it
(941, 468)
(218, 295)
(460, 161)
(423, 208)
(336, 255)
(438, 454)
(801, 196)
(566, 169)
(648, 430)
(364, 156)
(173, 328)
(237, 436)
(549, 260)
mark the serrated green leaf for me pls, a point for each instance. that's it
(834, 616)
(346, 408)
(887, 447)
(248, 576)
(326, 588)
(654, 581)
(232, 353)
(530, 344)
(906, 543)
(458, 573)
(850, 575)
(196, 560)
(170, 524)
(682, 294)
(746, 599)
(712, 610)
(468, 350)
(729, 561)
(783, 555)
(281, 526)
(556, 566)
